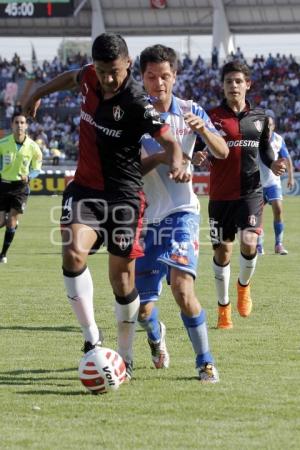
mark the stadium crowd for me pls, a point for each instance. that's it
(275, 86)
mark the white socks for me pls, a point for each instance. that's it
(222, 278)
(79, 289)
(247, 268)
(126, 315)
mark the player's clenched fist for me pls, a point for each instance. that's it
(179, 174)
(194, 122)
(278, 167)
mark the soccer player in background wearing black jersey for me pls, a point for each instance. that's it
(236, 199)
(105, 202)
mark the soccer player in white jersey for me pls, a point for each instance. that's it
(172, 239)
(272, 188)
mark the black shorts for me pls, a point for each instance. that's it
(117, 218)
(228, 217)
(13, 195)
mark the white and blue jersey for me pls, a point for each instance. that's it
(172, 238)
(280, 150)
(271, 183)
(163, 195)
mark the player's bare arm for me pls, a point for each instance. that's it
(151, 162)
(290, 170)
(278, 167)
(215, 143)
(177, 170)
(65, 81)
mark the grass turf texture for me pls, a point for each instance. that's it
(44, 406)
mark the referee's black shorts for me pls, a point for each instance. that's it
(13, 195)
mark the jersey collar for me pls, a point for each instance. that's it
(245, 111)
(174, 109)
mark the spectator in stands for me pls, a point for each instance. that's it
(275, 81)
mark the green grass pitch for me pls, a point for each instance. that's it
(44, 406)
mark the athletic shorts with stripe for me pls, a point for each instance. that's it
(228, 217)
(116, 217)
(173, 242)
(272, 193)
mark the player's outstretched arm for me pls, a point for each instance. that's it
(290, 170)
(214, 142)
(64, 81)
(174, 157)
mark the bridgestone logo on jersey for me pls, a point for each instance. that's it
(242, 143)
(108, 131)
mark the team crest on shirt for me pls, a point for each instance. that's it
(122, 241)
(252, 220)
(118, 113)
(258, 125)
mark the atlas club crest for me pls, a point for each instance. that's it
(118, 113)
(258, 125)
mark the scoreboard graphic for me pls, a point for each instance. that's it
(10, 9)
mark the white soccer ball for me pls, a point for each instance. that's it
(102, 370)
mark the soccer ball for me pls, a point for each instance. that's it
(102, 370)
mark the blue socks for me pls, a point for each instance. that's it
(278, 230)
(151, 325)
(197, 331)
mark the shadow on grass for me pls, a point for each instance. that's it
(49, 392)
(38, 371)
(18, 377)
(63, 329)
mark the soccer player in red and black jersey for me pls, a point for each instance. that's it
(105, 202)
(235, 199)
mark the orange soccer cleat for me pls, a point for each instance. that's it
(244, 302)
(224, 317)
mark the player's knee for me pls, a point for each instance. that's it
(182, 293)
(73, 260)
(121, 286)
(222, 255)
(122, 282)
(189, 305)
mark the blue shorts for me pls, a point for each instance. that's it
(174, 242)
(272, 193)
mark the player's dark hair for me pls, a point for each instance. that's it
(158, 54)
(17, 114)
(109, 46)
(236, 66)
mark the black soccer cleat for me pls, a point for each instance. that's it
(87, 346)
(129, 371)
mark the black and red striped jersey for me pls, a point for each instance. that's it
(110, 133)
(246, 134)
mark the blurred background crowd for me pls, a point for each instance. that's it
(275, 86)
